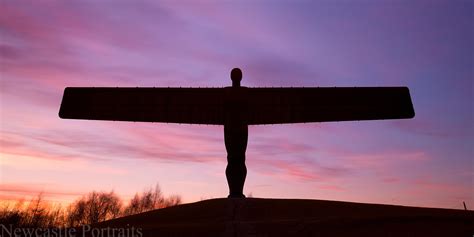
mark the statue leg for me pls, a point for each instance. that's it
(235, 138)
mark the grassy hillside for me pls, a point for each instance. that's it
(290, 217)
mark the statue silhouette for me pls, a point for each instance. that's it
(235, 136)
(236, 107)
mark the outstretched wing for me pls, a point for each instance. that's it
(299, 105)
(171, 105)
(260, 105)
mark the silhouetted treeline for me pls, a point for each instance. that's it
(89, 209)
(149, 200)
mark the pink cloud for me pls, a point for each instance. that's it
(27, 192)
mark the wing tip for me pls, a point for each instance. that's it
(412, 108)
(61, 112)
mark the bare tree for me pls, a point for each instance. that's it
(133, 207)
(94, 207)
(173, 200)
(56, 216)
(12, 215)
(36, 212)
(91, 208)
(150, 199)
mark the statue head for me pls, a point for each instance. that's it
(236, 76)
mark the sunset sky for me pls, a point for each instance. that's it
(428, 46)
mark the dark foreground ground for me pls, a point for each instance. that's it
(286, 217)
